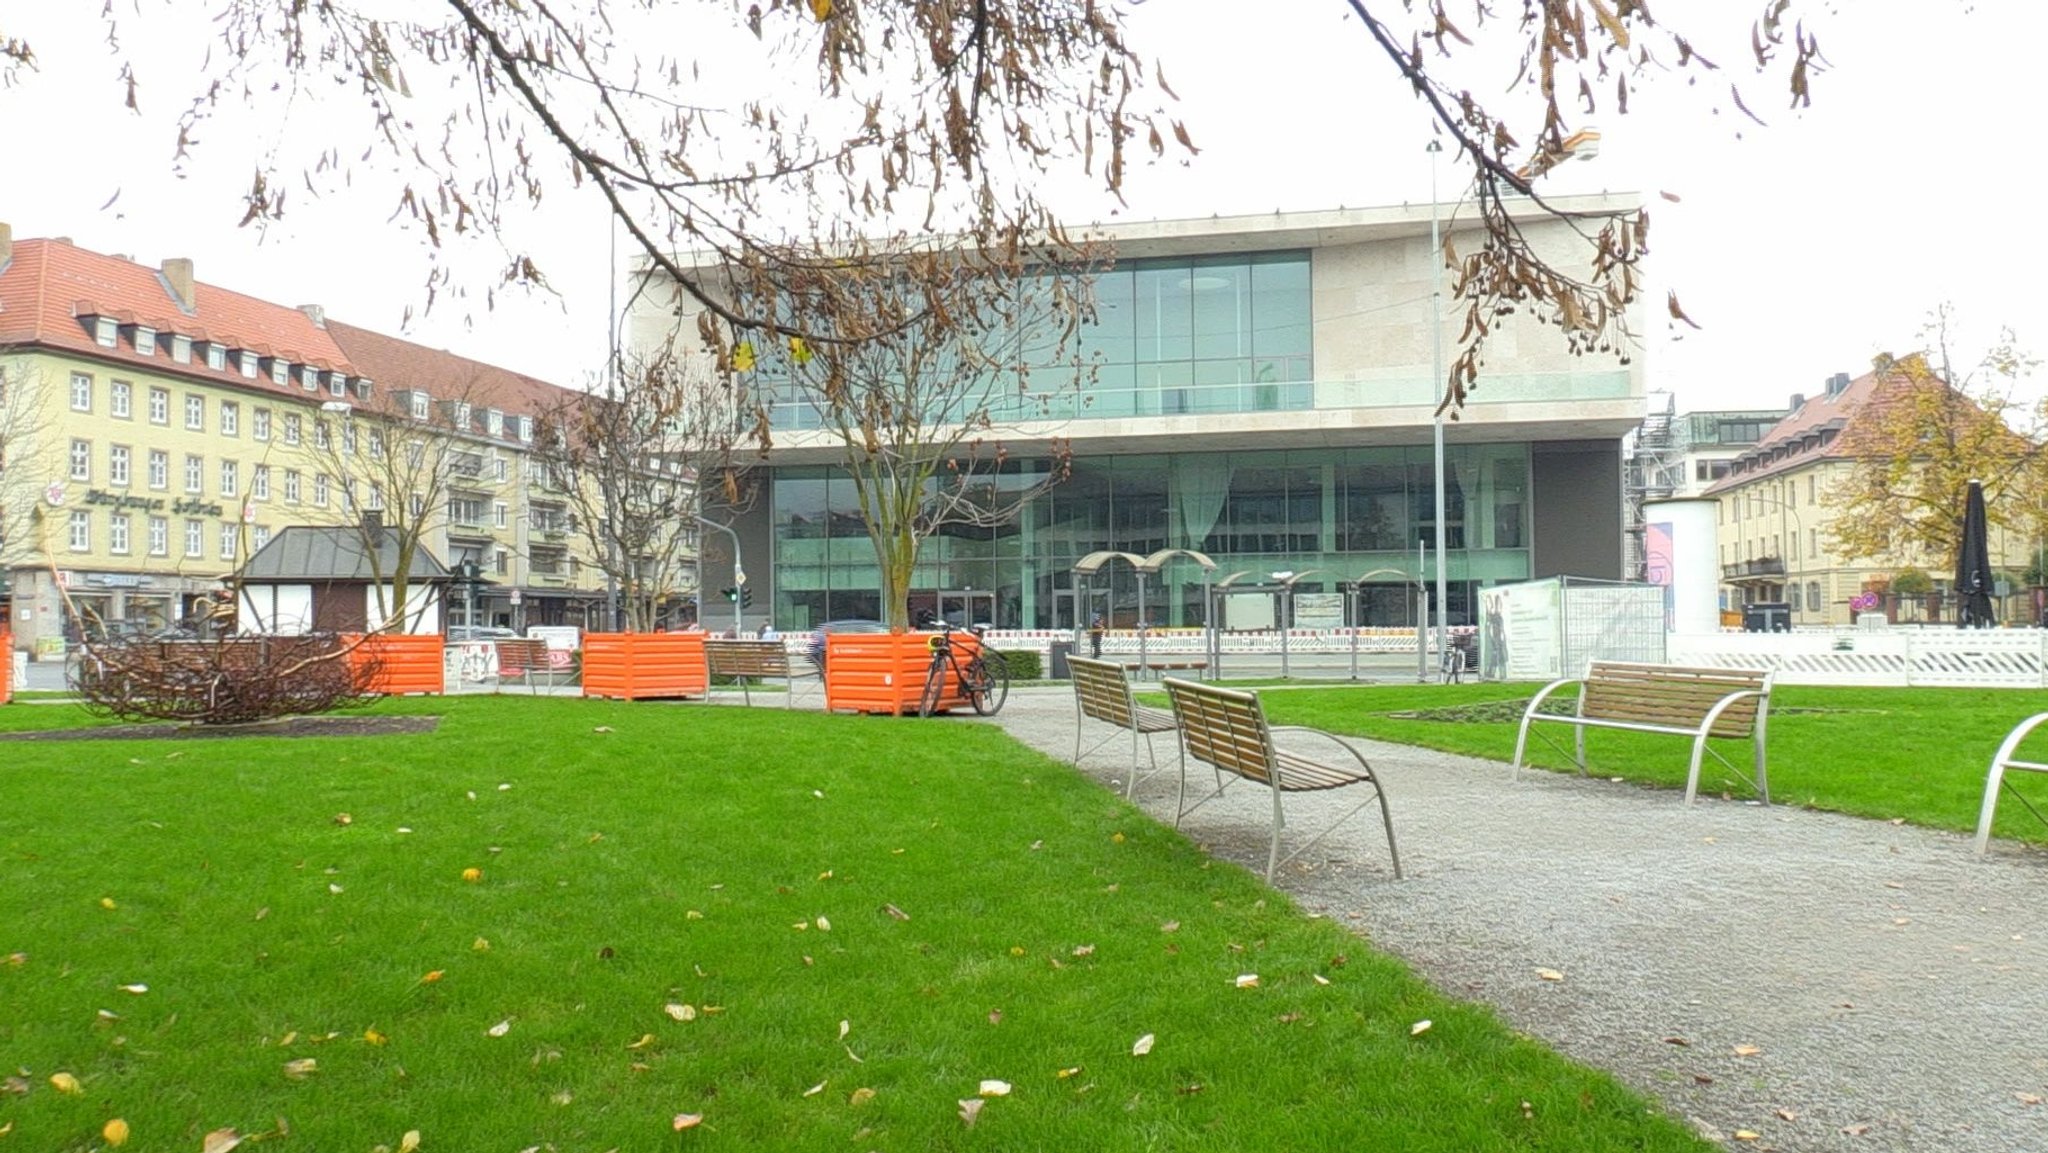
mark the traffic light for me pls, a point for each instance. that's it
(730, 593)
(746, 596)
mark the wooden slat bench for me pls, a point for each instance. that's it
(1226, 729)
(524, 659)
(1731, 704)
(2001, 764)
(745, 660)
(1102, 692)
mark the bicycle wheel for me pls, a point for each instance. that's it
(988, 683)
(934, 688)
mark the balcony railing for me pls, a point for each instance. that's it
(1763, 566)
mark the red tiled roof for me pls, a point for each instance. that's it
(49, 287)
(400, 364)
(1862, 405)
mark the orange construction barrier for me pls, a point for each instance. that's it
(6, 668)
(406, 662)
(644, 666)
(884, 672)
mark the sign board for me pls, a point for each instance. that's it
(514, 597)
(1319, 610)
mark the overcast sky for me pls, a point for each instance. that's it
(1802, 248)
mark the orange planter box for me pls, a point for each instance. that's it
(644, 666)
(6, 668)
(406, 663)
(884, 672)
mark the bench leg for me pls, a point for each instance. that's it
(1990, 809)
(1387, 819)
(1692, 776)
(1579, 747)
(1279, 822)
(1763, 780)
(1522, 744)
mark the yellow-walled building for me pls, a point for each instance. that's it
(156, 430)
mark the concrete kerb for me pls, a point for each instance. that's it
(1886, 978)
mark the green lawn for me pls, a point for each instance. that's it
(1916, 754)
(888, 912)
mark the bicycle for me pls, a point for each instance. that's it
(983, 677)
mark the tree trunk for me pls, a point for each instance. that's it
(896, 553)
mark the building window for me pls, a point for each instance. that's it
(260, 536)
(291, 428)
(259, 482)
(195, 413)
(230, 477)
(1792, 596)
(230, 418)
(121, 399)
(501, 514)
(260, 429)
(466, 510)
(501, 562)
(280, 370)
(461, 417)
(181, 348)
(81, 460)
(320, 490)
(526, 429)
(117, 465)
(159, 536)
(1813, 543)
(159, 406)
(81, 392)
(348, 437)
(195, 538)
(337, 384)
(117, 533)
(494, 422)
(248, 364)
(159, 469)
(422, 405)
(145, 340)
(418, 505)
(291, 486)
(1813, 601)
(321, 439)
(230, 532)
(106, 331)
(81, 531)
(376, 497)
(500, 469)
(195, 474)
(217, 360)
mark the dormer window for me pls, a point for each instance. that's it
(494, 422)
(363, 389)
(216, 356)
(106, 331)
(309, 376)
(422, 405)
(145, 340)
(181, 348)
(248, 364)
(525, 429)
(337, 383)
(280, 370)
(462, 415)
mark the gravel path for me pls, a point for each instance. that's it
(1894, 986)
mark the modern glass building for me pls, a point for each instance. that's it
(1263, 394)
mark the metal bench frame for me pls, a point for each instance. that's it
(746, 660)
(530, 659)
(2000, 765)
(1102, 692)
(1226, 729)
(1684, 702)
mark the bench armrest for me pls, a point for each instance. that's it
(1536, 704)
(1721, 706)
(1333, 738)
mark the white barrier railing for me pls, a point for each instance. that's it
(1955, 658)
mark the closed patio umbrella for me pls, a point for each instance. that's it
(1973, 566)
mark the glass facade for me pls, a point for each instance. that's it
(1334, 514)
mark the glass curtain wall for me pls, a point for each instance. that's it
(1334, 514)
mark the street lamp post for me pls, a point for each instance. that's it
(739, 574)
(1438, 395)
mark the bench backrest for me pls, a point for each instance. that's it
(737, 658)
(1102, 690)
(1223, 727)
(521, 656)
(1667, 695)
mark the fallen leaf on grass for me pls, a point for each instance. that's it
(995, 1089)
(814, 1090)
(409, 1142)
(66, 1083)
(480, 945)
(1420, 1027)
(472, 874)
(1550, 974)
(861, 1096)
(109, 1015)
(1072, 1071)
(1679, 1041)
(1170, 927)
(333, 888)
(824, 926)
(1747, 1050)
(896, 913)
(115, 1132)
(433, 977)
(995, 1016)
(1247, 980)
(1787, 1115)
(1321, 980)
(1855, 1130)
(1747, 1135)
(374, 1037)
(602, 729)
(680, 1012)
(1118, 838)
(15, 1085)
(107, 903)
(344, 819)
(499, 1029)
(1142, 1046)
(970, 1110)
(1083, 950)
(301, 1069)
(219, 1141)
(645, 1040)
(845, 1027)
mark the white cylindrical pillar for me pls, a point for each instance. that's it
(1679, 538)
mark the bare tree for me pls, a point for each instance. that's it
(936, 358)
(785, 118)
(629, 457)
(24, 421)
(1934, 424)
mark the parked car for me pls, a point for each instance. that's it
(815, 650)
(458, 634)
